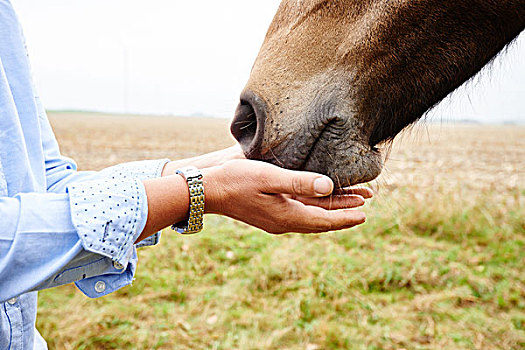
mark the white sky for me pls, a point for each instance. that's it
(192, 57)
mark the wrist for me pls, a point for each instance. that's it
(213, 192)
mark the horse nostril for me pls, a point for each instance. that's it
(248, 124)
(244, 126)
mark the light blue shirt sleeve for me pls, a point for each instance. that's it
(84, 235)
(89, 230)
(82, 230)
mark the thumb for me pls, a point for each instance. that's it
(299, 183)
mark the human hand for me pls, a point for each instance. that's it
(279, 200)
(205, 161)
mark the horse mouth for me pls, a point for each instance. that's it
(327, 151)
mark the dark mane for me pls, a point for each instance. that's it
(418, 61)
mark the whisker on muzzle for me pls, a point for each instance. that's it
(281, 164)
(246, 126)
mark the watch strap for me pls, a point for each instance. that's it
(194, 224)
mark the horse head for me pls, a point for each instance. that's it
(336, 79)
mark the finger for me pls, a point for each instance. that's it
(333, 202)
(364, 192)
(297, 183)
(322, 220)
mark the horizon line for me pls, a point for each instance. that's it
(433, 120)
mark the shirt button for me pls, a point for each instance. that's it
(12, 301)
(100, 287)
(118, 265)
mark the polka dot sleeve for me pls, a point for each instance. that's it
(143, 170)
(109, 214)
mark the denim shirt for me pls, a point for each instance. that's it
(57, 225)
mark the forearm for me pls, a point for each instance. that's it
(168, 203)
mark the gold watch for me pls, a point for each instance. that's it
(194, 224)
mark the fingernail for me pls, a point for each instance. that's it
(323, 186)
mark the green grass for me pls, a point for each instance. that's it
(433, 270)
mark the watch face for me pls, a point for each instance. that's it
(189, 172)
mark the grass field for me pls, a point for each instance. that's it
(439, 264)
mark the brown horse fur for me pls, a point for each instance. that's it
(335, 78)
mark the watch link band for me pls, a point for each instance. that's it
(194, 224)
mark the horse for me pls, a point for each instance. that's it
(336, 80)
